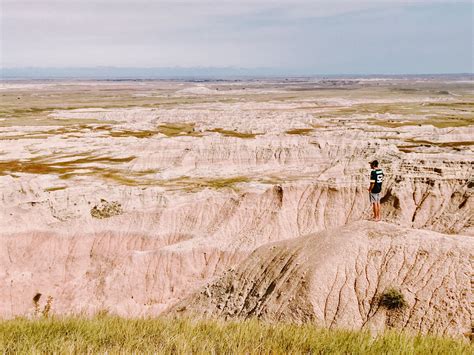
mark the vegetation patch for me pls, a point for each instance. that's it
(136, 134)
(409, 148)
(402, 108)
(45, 120)
(46, 165)
(438, 114)
(300, 131)
(419, 142)
(27, 166)
(106, 209)
(223, 183)
(46, 311)
(113, 335)
(195, 184)
(235, 134)
(66, 130)
(119, 177)
(393, 299)
(442, 121)
(405, 90)
(395, 123)
(273, 180)
(181, 129)
(55, 188)
(452, 105)
(85, 165)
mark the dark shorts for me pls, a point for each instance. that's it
(374, 197)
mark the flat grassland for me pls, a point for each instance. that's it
(106, 334)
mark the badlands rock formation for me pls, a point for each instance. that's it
(131, 196)
(337, 278)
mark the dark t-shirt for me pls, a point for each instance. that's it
(376, 176)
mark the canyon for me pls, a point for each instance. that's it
(239, 198)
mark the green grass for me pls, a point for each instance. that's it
(106, 334)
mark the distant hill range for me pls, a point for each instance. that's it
(127, 73)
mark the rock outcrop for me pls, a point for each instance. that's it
(337, 278)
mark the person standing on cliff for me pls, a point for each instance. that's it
(376, 179)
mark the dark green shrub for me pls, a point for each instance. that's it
(393, 299)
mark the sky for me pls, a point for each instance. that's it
(298, 36)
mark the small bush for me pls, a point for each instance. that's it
(106, 209)
(36, 304)
(46, 312)
(393, 299)
(47, 307)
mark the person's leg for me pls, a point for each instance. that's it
(374, 208)
(379, 217)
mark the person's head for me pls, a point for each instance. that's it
(374, 164)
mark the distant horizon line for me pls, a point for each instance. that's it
(180, 72)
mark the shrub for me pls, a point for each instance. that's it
(393, 299)
(47, 307)
(46, 312)
(36, 304)
(106, 209)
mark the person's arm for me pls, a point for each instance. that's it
(372, 180)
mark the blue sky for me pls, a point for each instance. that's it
(308, 37)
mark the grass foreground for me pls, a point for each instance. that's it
(160, 335)
(109, 334)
